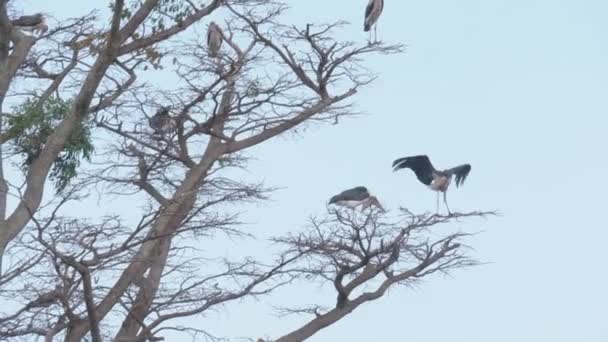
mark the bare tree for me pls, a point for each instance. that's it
(354, 253)
(105, 277)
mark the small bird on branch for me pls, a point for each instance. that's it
(215, 37)
(162, 123)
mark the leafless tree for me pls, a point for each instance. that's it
(100, 278)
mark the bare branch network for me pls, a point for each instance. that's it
(175, 149)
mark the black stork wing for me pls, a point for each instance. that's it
(368, 11)
(461, 172)
(421, 165)
(355, 194)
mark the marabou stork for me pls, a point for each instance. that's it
(372, 13)
(34, 23)
(436, 180)
(161, 122)
(357, 196)
(214, 39)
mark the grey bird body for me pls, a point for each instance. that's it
(34, 23)
(162, 122)
(426, 173)
(357, 196)
(372, 13)
(214, 39)
(46, 299)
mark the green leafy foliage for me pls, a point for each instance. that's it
(166, 14)
(30, 128)
(166, 10)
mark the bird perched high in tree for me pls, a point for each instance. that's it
(357, 196)
(34, 23)
(372, 13)
(162, 123)
(214, 39)
(436, 180)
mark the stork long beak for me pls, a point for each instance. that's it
(374, 201)
(43, 28)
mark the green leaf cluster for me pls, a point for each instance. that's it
(30, 128)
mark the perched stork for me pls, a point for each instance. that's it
(357, 196)
(372, 13)
(214, 39)
(34, 23)
(161, 122)
(436, 180)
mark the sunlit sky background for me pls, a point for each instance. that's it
(518, 89)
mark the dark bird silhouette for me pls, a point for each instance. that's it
(35, 23)
(214, 39)
(372, 13)
(162, 123)
(46, 299)
(427, 174)
(357, 196)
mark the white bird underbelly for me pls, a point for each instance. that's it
(350, 204)
(440, 184)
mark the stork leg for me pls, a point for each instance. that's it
(445, 200)
(376, 33)
(437, 207)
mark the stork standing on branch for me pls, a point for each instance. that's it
(372, 13)
(162, 123)
(214, 39)
(357, 196)
(34, 23)
(436, 180)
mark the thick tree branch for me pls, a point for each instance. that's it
(165, 34)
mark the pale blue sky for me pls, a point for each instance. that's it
(518, 89)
